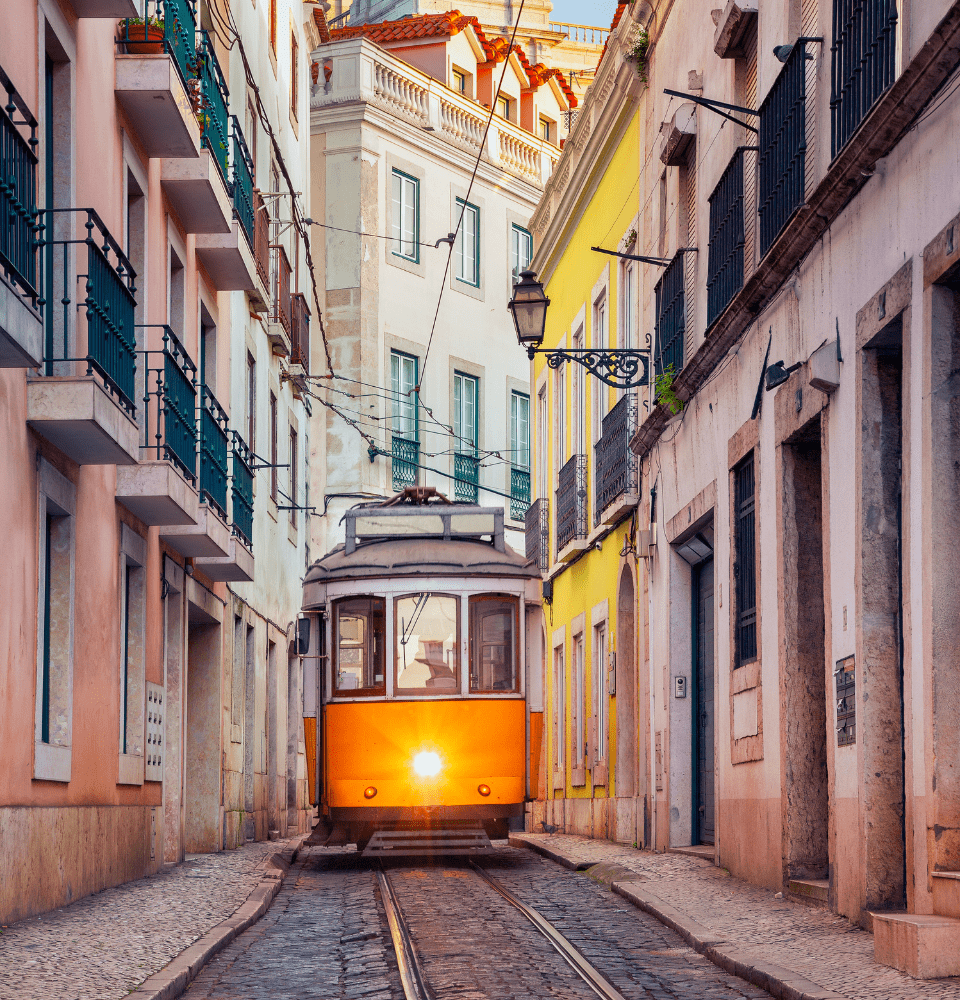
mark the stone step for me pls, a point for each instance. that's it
(946, 894)
(925, 946)
(809, 891)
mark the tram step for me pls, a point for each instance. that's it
(414, 843)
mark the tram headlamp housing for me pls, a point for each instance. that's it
(483, 789)
(427, 764)
(369, 792)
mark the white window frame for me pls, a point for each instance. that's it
(405, 231)
(518, 260)
(466, 413)
(133, 560)
(578, 705)
(467, 265)
(559, 708)
(520, 449)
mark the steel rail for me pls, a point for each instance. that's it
(567, 950)
(411, 974)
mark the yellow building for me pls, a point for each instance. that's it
(582, 527)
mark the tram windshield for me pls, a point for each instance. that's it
(427, 648)
(359, 636)
(493, 644)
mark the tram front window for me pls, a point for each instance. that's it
(427, 644)
(493, 644)
(360, 638)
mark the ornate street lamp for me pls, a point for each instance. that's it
(622, 368)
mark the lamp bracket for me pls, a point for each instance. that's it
(716, 106)
(621, 368)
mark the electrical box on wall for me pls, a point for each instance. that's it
(153, 765)
(679, 687)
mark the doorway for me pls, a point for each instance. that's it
(626, 697)
(704, 820)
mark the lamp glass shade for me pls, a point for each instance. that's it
(529, 308)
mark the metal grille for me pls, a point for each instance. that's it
(671, 318)
(616, 467)
(18, 192)
(537, 532)
(153, 760)
(466, 471)
(406, 461)
(280, 309)
(845, 677)
(519, 492)
(571, 501)
(175, 438)
(243, 490)
(745, 569)
(213, 451)
(300, 336)
(243, 206)
(864, 62)
(214, 98)
(725, 262)
(783, 147)
(261, 238)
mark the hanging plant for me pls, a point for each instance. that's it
(638, 51)
(629, 240)
(664, 393)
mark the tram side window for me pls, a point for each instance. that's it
(360, 638)
(493, 644)
(427, 644)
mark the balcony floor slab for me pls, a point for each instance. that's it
(150, 91)
(197, 193)
(21, 331)
(228, 260)
(105, 8)
(571, 550)
(209, 538)
(77, 415)
(623, 505)
(158, 494)
(236, 567)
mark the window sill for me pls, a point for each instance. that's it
(130, 769)
(51, 763)
(559, 783)
(578, 777)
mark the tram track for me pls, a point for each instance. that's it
(412, 975)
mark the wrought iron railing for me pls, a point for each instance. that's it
(519, 492)
(242, 490)
(466, 472)
(671, 313)
(783, 147)
(571, 502)
(166, 26)
(406, 462)
(109, 302)
(18, 192)
(864, 62)
(727, 238)
(213, 451)
(340, 21)
(242, 181)
(616, 465)
(175, 407)
(214, 99)
(261, 238)
(280, 306)
(300, 335)
(537, 533)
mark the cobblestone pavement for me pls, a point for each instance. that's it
(326, 936)
(103, 946)
(821, 946)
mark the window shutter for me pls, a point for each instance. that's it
(592, 743)
(809, 22)
(690, 259)
(750, 165)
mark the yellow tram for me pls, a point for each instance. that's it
(420, 736)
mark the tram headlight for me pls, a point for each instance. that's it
(483, 789)
(369, 792)
(427, 764)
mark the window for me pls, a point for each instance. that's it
(520, 429)
(600, 701)
(406, 216)
(273, 447)
(577, 707)
(273, 24)
(521, 251)
(547, 129)
(133, 595)
(251, 132)
(359, 641)
(405, 448)
(460, 81)
(598, 389)
(251, 402)
(628, 311)
(427, 646)
(559, 699)
(468, 244)
(560, 419)
(745, 569)
(503, 107)
(494, 649)
(465, 392)
(294, 74)
(294, 485)
(542, 442)
(579, 399)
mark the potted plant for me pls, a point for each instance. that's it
(143, 35)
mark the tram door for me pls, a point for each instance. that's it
(703, 651)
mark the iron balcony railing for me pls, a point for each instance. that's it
(519, 492)
(242, 490)
(109, 302)
(242, 181)
(864, 62)
(727, 238)
(213, 451)
(261, 238)
(783, 147)
(280, 306)
(166, 26)
(537, 533)
(18, 192)
(214, 99)
(571, 502)
(671, 313)
(340, 21)
(616, 466)
(406, 462)
(466, 472)
(171, 403)
(300, 335)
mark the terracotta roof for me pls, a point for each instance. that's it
(320, 19)
(423, 26)
(621, 7)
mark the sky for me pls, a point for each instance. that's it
(598, 12)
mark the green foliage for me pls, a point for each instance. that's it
(664, 393)
(150, 22)
(638, 51)
(629, 240)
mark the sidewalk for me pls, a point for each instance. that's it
(104, 946)
(789, 949)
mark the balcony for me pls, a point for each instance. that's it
(104, 8)
(537, 533)
(618, 485)
(279, 326)
(727, 238)
(671, 319)
(261, 248)
(571, 508)
(237, 566)
(466, 472)
(864, 54)
(161, 490)
(83, 403)
(737, 21)
(406, 462)
(154, 66)
(519, 492)
(21, 326)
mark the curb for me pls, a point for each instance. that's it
(172, 980)
(784, 984)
